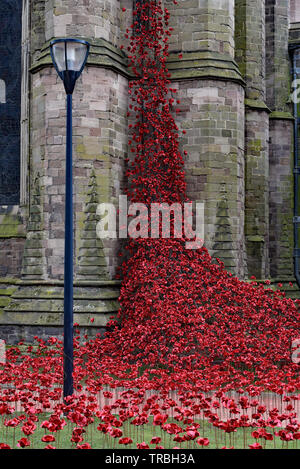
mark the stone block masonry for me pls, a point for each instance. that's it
(250, 56)
(230, 65)
(213, 118)
(281, 143)
(99, 126)
(281, 198)
(211, 92)
(12, 239)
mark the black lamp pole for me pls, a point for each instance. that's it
(68, 267)
(69, 57)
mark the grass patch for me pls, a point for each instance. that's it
(143, 433)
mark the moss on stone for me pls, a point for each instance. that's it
(9, 280)
(11, 227)
(257, 104)
(7, 291)
(256, 239)
(281, 115)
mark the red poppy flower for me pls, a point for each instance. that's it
(155, 440)
(125, 441)
(23, 442)
(142, 445)
(203, 441)
(255, 446)
(48, 438)
(159, 419)
(84, 446)
(4, 446)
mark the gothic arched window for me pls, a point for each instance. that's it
(10, 100)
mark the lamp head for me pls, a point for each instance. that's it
(69, 57)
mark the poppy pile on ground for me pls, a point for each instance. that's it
(196, 358)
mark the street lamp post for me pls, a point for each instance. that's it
(69, 57)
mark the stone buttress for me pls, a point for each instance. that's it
(211, 92)
(99, 149)
(278, 85)
(250, 56)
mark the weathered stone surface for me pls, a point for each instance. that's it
(223, 245)
(34, 261)
(229, 62)
(281, 198)
(212, 115)
(29, 306)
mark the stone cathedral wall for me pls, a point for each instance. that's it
(230, 65)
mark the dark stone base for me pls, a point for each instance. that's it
(37, 309)
(14, 334)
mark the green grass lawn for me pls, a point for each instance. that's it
(218, 438)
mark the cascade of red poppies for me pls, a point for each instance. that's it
(192, 344)
(156, 174)
(180, 310)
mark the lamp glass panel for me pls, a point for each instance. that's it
(59, 55)
(76, 53)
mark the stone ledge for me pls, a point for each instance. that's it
(280, 115)
(7, 289)
(56, 293)
(29, 305)
(14, 334)
(52, 319)
(257, 105)
(9, 280)
(83, 283)
(204, 64)
(294, 34)
(42, 304)
(196, 64)
(295, 26)
(102, 54)
(292, 292)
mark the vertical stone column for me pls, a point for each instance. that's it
(99, 148)
(202, 25)
(250, 55)
(83, 18)
(281, 140)
(210, 89)
(99, 122)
